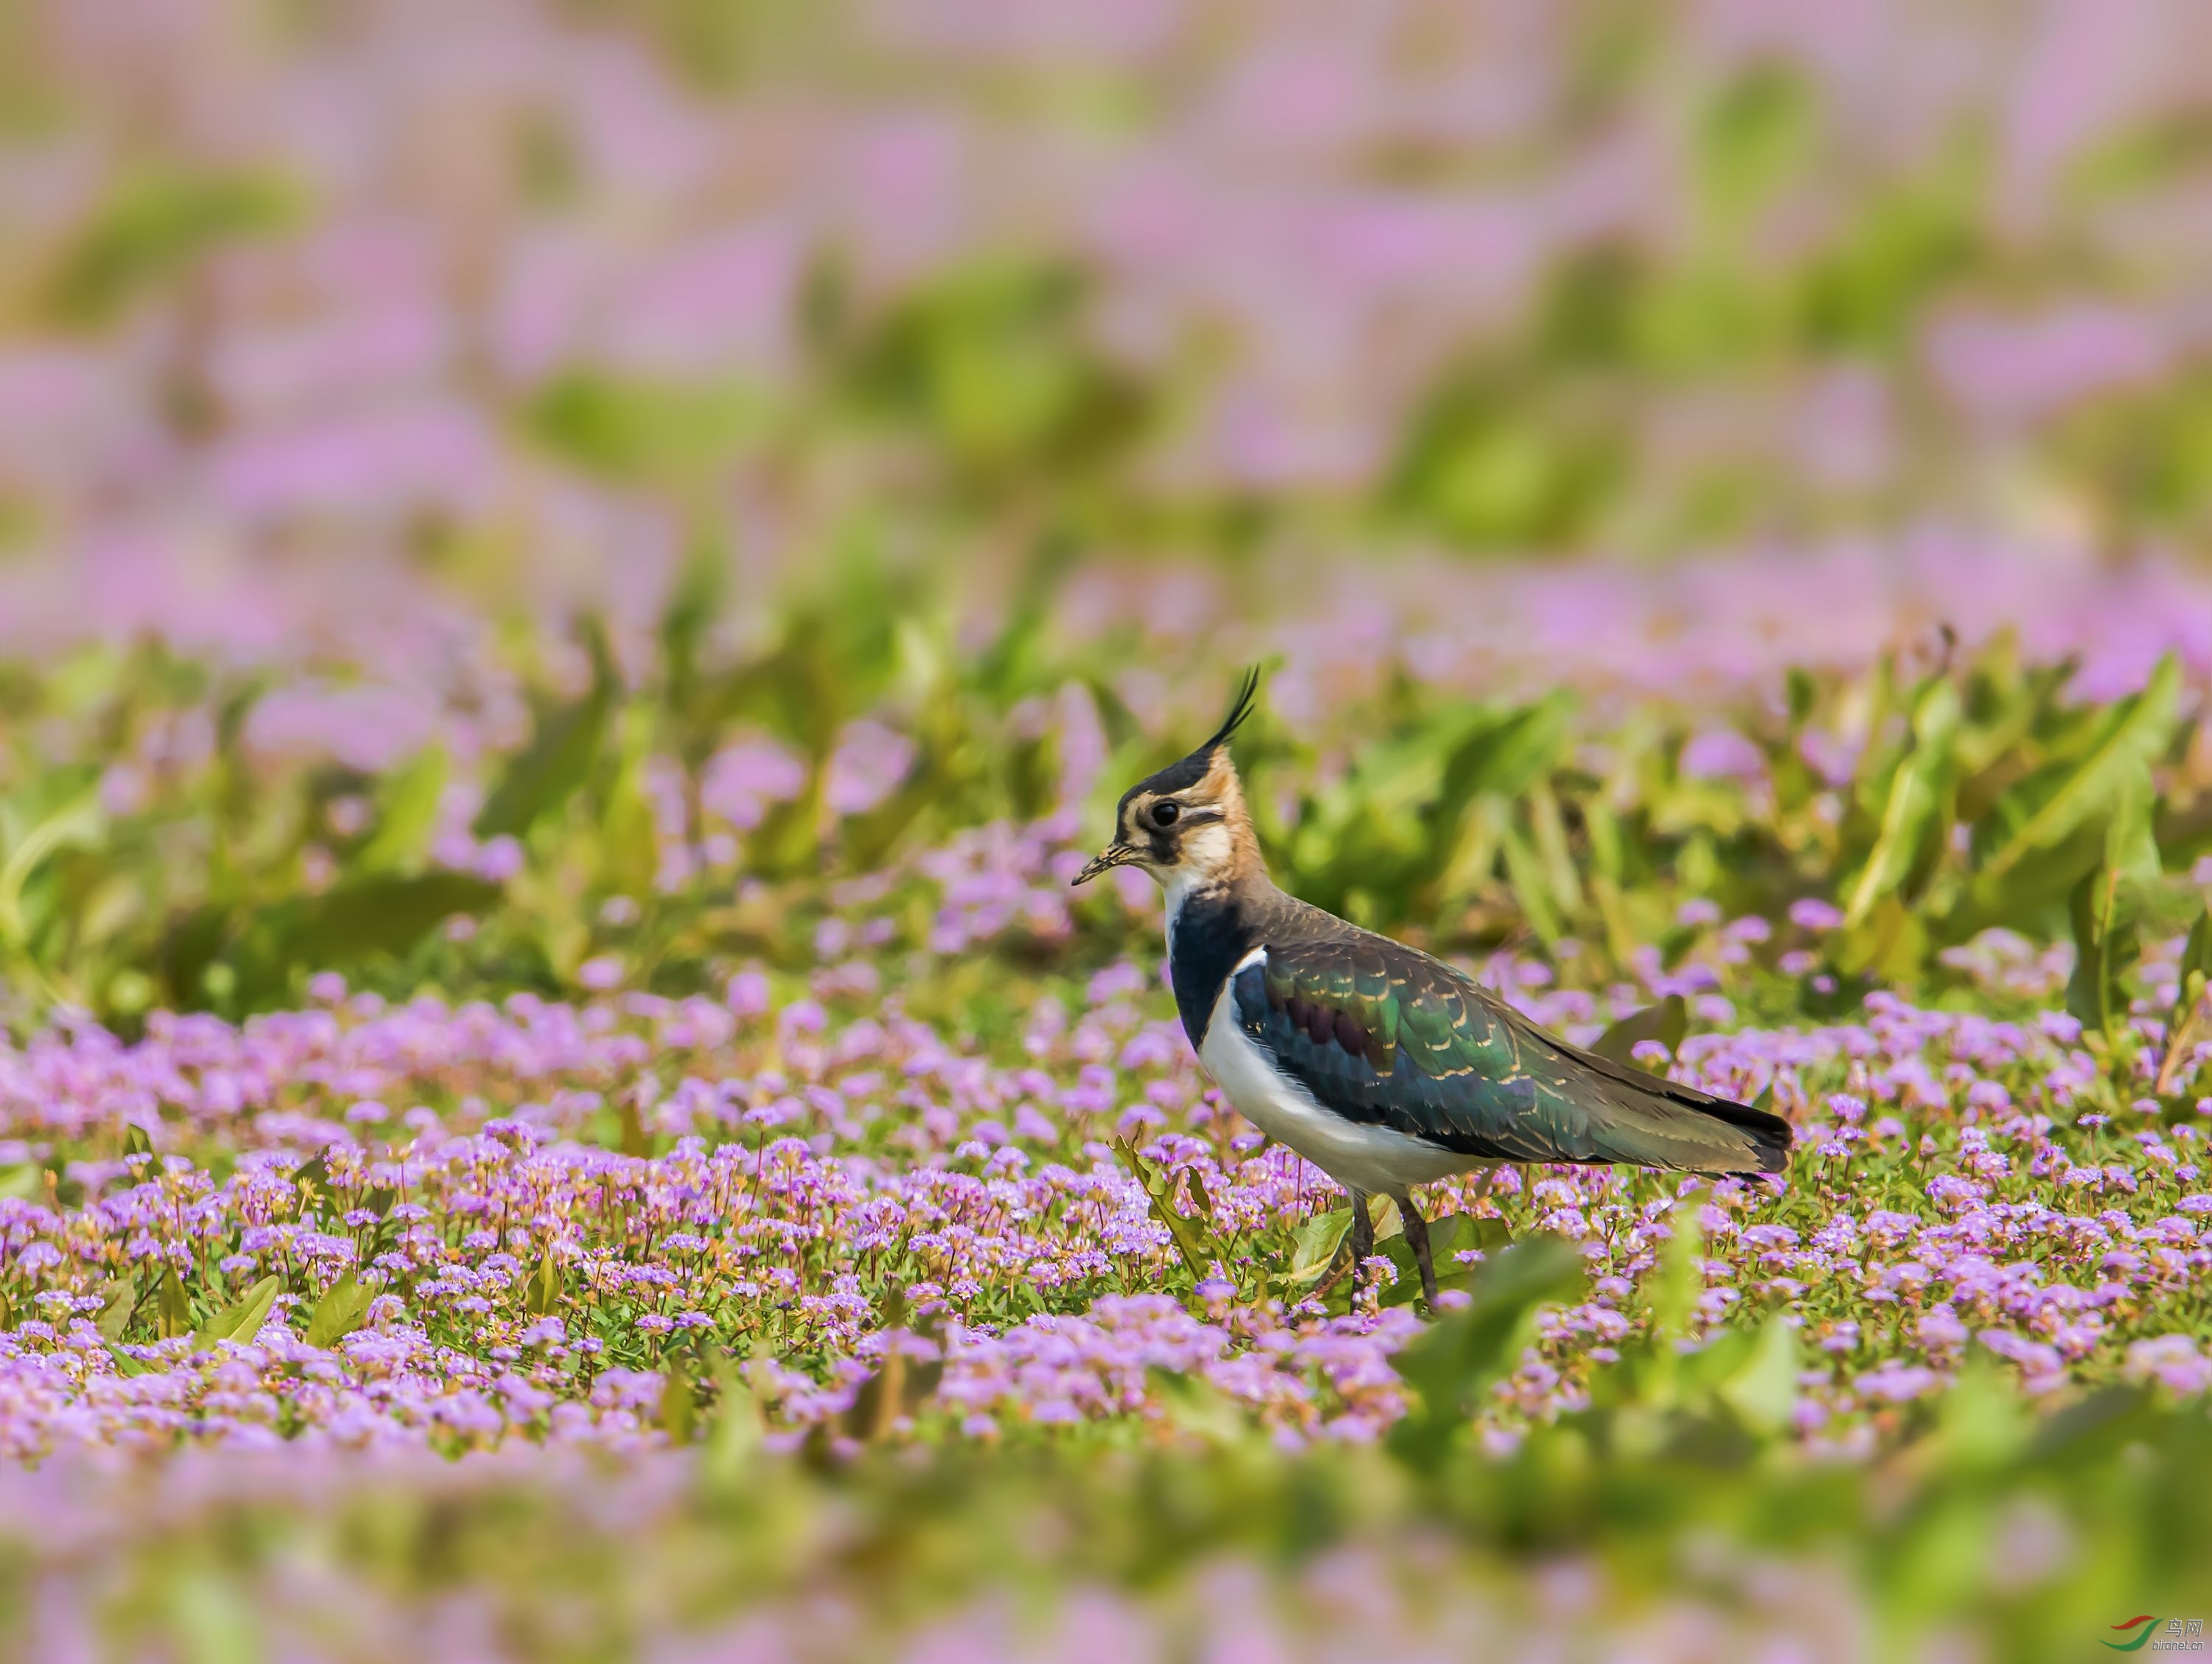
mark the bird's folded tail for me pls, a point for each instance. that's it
(1640, 1118)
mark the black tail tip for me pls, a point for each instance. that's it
(1770, 1146)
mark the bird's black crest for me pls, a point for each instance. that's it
(1247, 696)
(1180, 777)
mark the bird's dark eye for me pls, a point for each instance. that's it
(1165, 814)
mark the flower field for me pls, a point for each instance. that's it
(576, 580)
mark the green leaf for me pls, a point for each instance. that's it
(679, 1407)
(1757, 130)
(190, 944)
(125, 1365)
(134, 1141)
(173, 1308)
(2130, 841)
(2105, 905)
(382, 913)
(539, 1288)
(1115, 715)
(2092, 1428)
(1724, 1354)
(1196, 1408)
(1452, 1366)
(1193, 1239)
(339, 1312)
(735, 1435)
(2042, 811)
(630, 429)
(902, 1383)
(313, 1175)
(2104, 946)
(1509, 754)
(242, 1321)
(2190, 1022)
(2196, 952)
(1668, 1021)
(77, 823)
(788, 839)
(1526, 876)
(1911, 818)
(694, 601)
(410, 797)
(1313, 1250)
(552, 768)
(1675, 1291)
(123, 1295)
(154, 224)
(1983, 1423)
(1763, 1390)
(1553, 849)
(1431, 808)
(991, 363)
(633, 1139)
(629, 839)
(32, 1181)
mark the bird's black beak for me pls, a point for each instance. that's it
(1113, 855)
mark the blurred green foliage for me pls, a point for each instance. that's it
(1678, 1483)
(152, 229)
(1980, 795)
(992, 368)
(643, 431)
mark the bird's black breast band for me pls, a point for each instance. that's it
(1209, 936)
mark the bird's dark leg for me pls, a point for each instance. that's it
(1363, 1235)
(1417, 1237)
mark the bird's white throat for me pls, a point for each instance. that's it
(1179, 884)
(1206, 858)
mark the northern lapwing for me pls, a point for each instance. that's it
(1380, 1064)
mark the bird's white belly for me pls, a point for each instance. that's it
(1373, 1159)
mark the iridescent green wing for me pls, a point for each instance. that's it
(1386, 1036)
